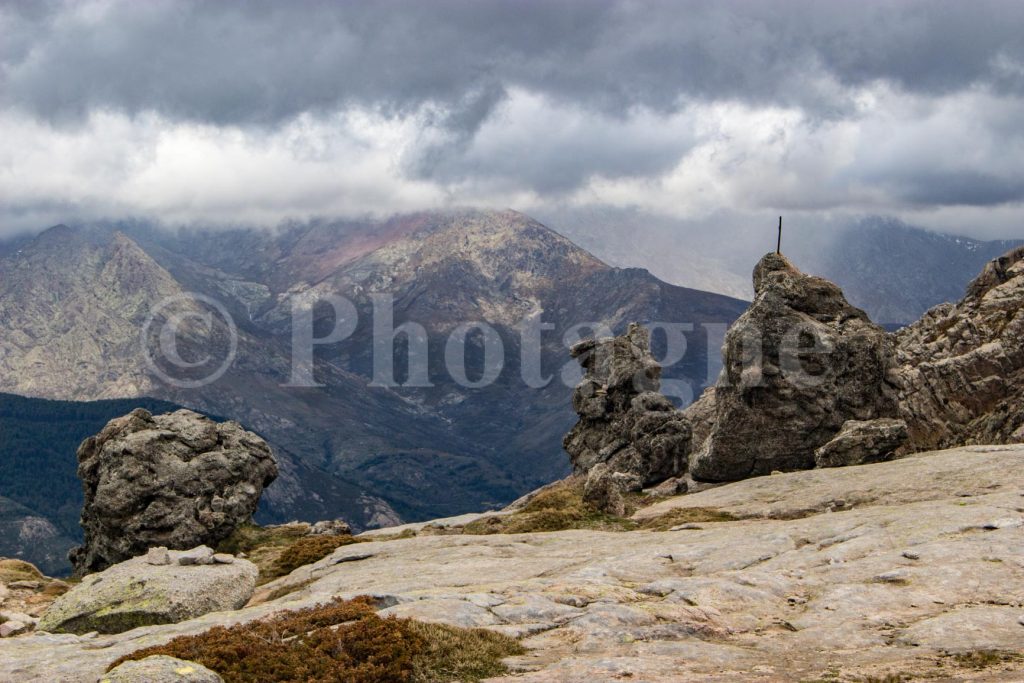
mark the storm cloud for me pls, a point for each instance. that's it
(256, 111)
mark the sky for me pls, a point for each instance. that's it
(228, 112)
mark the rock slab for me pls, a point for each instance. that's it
(136, 593)
(177, 480)
(161, 669)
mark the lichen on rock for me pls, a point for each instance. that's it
(137, 593)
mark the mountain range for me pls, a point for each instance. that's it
(74, 299)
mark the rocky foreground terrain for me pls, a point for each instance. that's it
(910, 569)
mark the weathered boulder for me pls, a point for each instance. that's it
(859, 443)
(798, 364)
(177, 480)
(625, 424)
(160, 669)
(330, 527)
(605, 488)
(136, 593)
(961, 373)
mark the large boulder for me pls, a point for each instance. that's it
(798, 364)
(160, 669)
(625, 425)
(177, 480)
(140, 592)
(961, 371)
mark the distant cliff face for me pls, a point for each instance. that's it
(74, 301)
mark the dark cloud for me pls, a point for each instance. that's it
(259, 110)
(959, 188)
(264, 61)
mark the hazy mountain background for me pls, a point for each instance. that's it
(73, 301)
(893, 270)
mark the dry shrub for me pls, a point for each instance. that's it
(983, 659)
(344, 640)
(307, 551)
(459, 654)
(279, 550)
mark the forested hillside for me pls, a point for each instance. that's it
(38, 440)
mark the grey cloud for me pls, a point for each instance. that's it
(261, 62)
(959, 188)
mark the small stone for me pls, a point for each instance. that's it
(911, 555)
(8, 615)
(9, 629)
(1001, 523)
(223, 558)
(201, 555)
(895, 576)
(1020, 620)
(158, 556)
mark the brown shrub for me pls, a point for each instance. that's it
(306, 551)
(343, 640)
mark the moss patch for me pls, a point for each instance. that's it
(555, 508)
(677, 516)
(18, 570)
(343, 640)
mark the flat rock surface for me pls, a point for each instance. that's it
(792, 593)
(137, 593)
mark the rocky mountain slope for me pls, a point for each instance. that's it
(894, 571)
(370, 454)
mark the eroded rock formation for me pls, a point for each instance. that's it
(177, 480)
(633, 432)
(961, 369)
(798, 364)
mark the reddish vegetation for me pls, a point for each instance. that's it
(343, 640)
